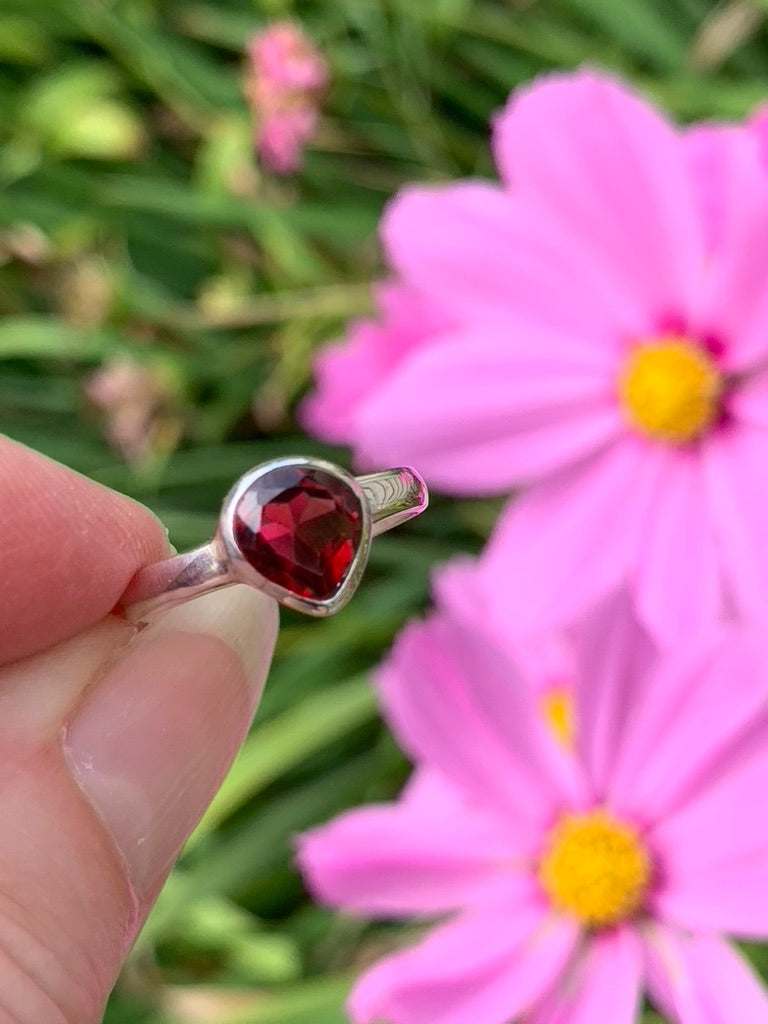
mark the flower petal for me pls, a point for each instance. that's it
(695, 707)
(677, 575)
(482, 255)
(459, 705)
(571, 540)
(429, 790)
(734, 304)
(407, 858)
(347, 373)
(610, 170)
(713, 850)
(737, 491)
(706, 151)
(547, 660)
(480, 969)
(614, 655)
(477, 414)
(748, 403)
(730, 898)
(603, 985)
(702, 980)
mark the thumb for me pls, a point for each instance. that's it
(111, 747)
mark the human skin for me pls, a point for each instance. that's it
(113, 737)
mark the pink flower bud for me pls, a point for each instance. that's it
(286, 78)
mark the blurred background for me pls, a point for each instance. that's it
(162, 293)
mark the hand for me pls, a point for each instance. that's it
(113, 739)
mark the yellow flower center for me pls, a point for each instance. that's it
(670, 389)
(557, 708)
(595, 868)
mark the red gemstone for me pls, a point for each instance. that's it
(299, 528)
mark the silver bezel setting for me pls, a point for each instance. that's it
(244, 572)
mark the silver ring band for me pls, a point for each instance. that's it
(361, 508)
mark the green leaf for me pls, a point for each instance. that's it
(287, 740)
(314, 1002)
(37, 337)
(22, 41)
(75, 111)
(644, 29)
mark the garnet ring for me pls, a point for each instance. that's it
(299, 529)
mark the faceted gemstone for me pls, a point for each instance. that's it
(300, 528)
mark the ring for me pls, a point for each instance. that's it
(299, 529)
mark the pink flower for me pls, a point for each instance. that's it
(568, 885)
(287, 76)
(140, 404)
(609, 353)
(349, 373)
(281, 137)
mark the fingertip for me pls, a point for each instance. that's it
(243, 618)
(123, 735)
(153, 740)
(70, 547)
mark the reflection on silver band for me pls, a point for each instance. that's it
(394, 497)
(177, 579)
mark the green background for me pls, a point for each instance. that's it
(133, 219)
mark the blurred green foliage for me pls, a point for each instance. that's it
(135, 222)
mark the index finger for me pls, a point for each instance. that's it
(68, 549)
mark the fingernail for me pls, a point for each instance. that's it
(153, 740)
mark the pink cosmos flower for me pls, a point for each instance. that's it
(568, 885)
(286, 78)
(348, 373)
(608, 353)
